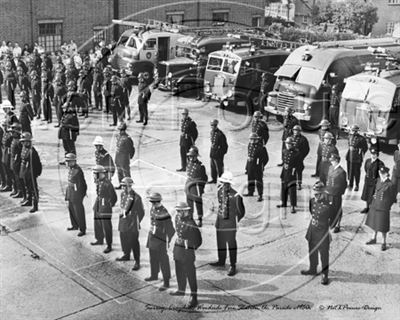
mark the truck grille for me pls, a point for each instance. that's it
(355, 114)
(285, 99)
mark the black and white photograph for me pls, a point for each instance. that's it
(199, 159)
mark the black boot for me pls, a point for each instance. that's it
(165, 286)
(34, 208)
(192, 302)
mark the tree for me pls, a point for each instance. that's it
(356, 15)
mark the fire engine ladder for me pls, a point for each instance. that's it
(263, 41)
(359, 43)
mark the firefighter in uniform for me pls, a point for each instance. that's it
(201, 63)
(266, 81)
(36, 91)
(327, 150)
(98, 80)
(10, 118)
(30, 169)
(69, 129)
(116, 96)
(125, 151)
(144, 95)
(105, 200)
(334, 110)
(60, 92)
(15, 161)
(291, 157)
(325, 127)
(318, 235)
(257, 159)
(71, 73)
(230, 211)
(23, 81)
(188, 240)
(188, 137)
(47, 98)
(84, 89)
(159, 237)
(132, 213)
(107, 73)
(25, 112)
(3, 179)
(126, 83)
(336, 185)
(289, 122)
(195, 182)
(357, 148)
(10, 83)
(103, 158)
(396, 169)
(73, 98)
(371, 167)
(260, 127)
(378, 218)
(301, 144)
(219, 147)
(74, 194)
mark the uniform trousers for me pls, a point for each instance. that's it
(354, 170)
(8, 175)
(103, 229)
(217, 168)
(130, 242)
(69, 146)
(143, 112)
(11, 96)
(123, 171)
(227, 238)
(320, 246)
(159, 259)
(185, 270)
(255, 179)
(3, 178)
(336, 202)
(47, 114)
(299, 174)
(288, 190)
(98, 100)
(31, 187)
(184, 149)
(194, 197)
(77, 214)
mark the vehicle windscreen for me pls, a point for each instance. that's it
(123, 40)
(214, 64)
(309, 76)
(231, 66)
(378, 95)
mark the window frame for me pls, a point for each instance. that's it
(50, 34)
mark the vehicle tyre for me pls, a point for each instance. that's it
(313, 124)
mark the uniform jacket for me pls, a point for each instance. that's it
(336, 182)
(77, 187)
(384, 196)
(144, 93)
(301, 144)
(105, 200)
(230, 209)
(84, 85)
(132, 212)
(260, 127)
(125, 149)
(357, 148)
(36, 87)
(69, 127)
(104, 159)
(196, 177)
(15, 154)
(126, 84)
(31, 167)
(288, 123)
(72, 74)
(219, 146)
(6, 146)
(188, 132)
(371, 178)
(321, 214)
(396, 167)
(10, 80)
(290, 159)
(106, 86)
(24, 84)
(25, 114)
(257, 157)
(161, 229)
(74, 100)
(60, 92)
(47, 91)
(98, 80)
(188, 239)
(116, 95)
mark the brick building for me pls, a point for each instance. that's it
(52, 22)
(389, 15)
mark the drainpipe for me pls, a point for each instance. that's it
(198, 13)
(32, 19)
(116, 16)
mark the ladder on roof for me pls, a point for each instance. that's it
(358, 43)
(263, 41)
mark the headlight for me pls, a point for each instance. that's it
(225, 102)
(306, 106)
(269, 100)
(345, 121)
(229, 94)
(169, 75)
(379, 129)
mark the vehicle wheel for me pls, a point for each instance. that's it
(313, 124)
(185, 89)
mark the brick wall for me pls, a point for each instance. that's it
(79, 17)
(386, 13)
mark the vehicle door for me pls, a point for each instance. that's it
(149, 50)
(163, 48)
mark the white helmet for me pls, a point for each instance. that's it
(98, 141)
(227, 177)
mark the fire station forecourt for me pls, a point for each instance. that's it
(61, 276)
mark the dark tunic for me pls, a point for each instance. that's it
(76, 188)
(371, 178)
(132, 212)
(188, 239)
(161, 229)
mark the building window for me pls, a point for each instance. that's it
(393, 2)
(50, 35)
(220, 16)
(390, 27)
(305, 19)
(175, 17)
(256, 21)
(99, 34)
